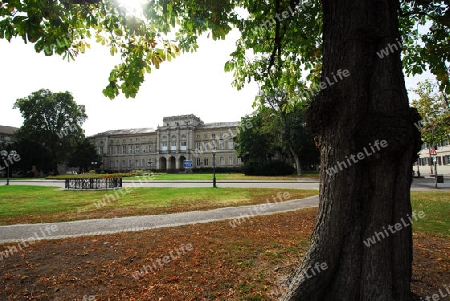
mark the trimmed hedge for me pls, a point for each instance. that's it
(271, 168)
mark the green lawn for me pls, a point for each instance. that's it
(436, 206)
(31, 204)
(221, 176)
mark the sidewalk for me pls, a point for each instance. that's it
(15, 233)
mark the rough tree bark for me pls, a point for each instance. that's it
(373, 193)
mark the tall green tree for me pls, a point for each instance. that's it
(301, 47)
(84, 154)
(435, 111)
(252, 144)
(52, 122)
(289, 120)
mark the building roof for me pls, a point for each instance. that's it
(7, 130)
(126, 132)
(215, 125)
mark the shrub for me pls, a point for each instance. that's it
(270, 168)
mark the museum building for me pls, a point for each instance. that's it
(166, 148)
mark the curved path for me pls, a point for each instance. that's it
(236, 215)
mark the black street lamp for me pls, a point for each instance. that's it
(95, 165)
(150, 162)
(214, 167)
(4, 155)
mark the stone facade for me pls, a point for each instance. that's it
(7, 134)
(180, 138)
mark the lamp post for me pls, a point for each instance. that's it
(4, 155)
(214, 167)
(150, 162)
(95, 165)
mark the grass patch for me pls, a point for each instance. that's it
(436, 206)
(33, 204)
(222, 176)
(245, 263)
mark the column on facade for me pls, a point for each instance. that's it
(157, 159)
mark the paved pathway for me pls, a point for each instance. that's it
(42, 231)
(107, 226)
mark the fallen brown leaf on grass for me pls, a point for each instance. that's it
(248, 262)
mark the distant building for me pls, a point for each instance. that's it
(426, 161)
(180, 138)
(7, 134)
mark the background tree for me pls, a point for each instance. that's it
(253, 146)
(435, 111)
(289, 119)
(33, 153)
(83, 156)
(269, 137)
(292, 43)
(52, 125)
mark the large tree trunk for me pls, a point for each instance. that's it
(372, 194)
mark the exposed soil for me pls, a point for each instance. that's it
(212, 261)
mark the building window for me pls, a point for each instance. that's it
(230, 161)
(197, 145)
(136, 163)
(239, 162)
(149, 148)
(205, 162)
(205, 136)
(123, 163)
(199, 162)
(137, 149)
(117, 163)
(183, 145)
(221, 144)
(205, 145)
(447, 159)
(131, 149)
(183, 136)
(197, 136)
(117, 149)
(111, 164)
(143, 163)
(221, 135)
(137, 139)
(100, 151)
(230, 144)
(164, 146)
(111, 150)
(213, 136)
(222, 161)
(124, 149)
(173, 145)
